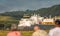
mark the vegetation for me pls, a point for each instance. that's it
(6, 21)
(54, 11)
(24, 33)
(14, 16)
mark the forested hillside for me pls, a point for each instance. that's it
(54, 11)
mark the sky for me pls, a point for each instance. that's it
(22, 5)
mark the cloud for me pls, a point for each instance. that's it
(14, 5)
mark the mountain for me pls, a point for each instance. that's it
(54, 11)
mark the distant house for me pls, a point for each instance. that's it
(48, 21)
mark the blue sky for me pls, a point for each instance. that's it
(15, 5)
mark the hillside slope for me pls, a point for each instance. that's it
(54, 11)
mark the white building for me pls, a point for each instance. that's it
(34, 19)
(48, 21)
(25, 22)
